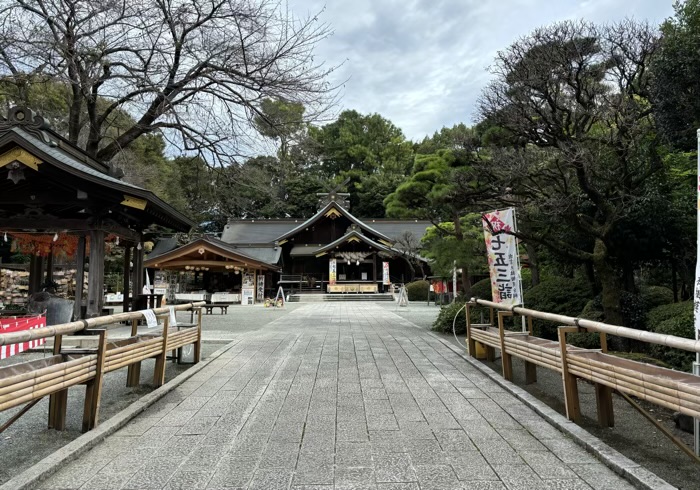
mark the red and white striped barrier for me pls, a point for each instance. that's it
(8, 325)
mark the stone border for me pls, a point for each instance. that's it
(616, 461)
(77, 447)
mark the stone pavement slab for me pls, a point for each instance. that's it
(337, 396)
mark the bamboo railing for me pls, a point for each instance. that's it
(27, 382)
(675, 390)
(672, 389)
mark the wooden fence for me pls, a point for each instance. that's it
(675, 390)
(30, 381)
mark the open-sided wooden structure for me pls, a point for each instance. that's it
(50, 187)
(213, 259)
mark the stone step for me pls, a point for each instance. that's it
(321, 298)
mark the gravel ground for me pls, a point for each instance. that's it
(28, 440)
(633, 435)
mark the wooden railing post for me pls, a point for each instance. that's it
(530, 368)
(506, 360)
(198, 344)
(133, 372)
(471, 343)
(93, 392)
(571, 401)
(159, 370)
(58, 401)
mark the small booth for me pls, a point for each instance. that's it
(58, 203)
(207, 269)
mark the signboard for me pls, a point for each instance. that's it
(261, 286)
(503, 258)
(247, 296)
(332, 269)
(386, 280)
(151, 320)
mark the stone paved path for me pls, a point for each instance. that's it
(338, 396)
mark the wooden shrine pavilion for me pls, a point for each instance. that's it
(333, 252)
(56, 198)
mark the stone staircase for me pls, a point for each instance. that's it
(321, 298)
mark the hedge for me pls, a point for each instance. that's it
(561, 295)
(418, 290)
(482, 289)
(673, 319)
(443, 322)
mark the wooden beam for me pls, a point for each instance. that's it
(96, 274)
(137, 281)
(79, 278)
(50, 224)
(195, 263)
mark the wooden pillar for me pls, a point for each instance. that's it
(374, 269)
(49, 266)
(126, 277)
(36, 266)
(137, 280)
(79, 278)
(571, 401)
(96, 274)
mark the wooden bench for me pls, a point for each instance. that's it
(28, 382)
(677, 391)
(209, 307)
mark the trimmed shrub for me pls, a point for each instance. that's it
(418, 290)
(593, 310)
(662, 313)
(482, 290)
(674, 319)
(443, 323)
(654, 296)
(560, 295)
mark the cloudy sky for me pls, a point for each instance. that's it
(422, 63)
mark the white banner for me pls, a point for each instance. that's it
(332, 269)
(502, 252)
(386, 280)
(697, 262)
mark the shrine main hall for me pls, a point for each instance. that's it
(333, 252)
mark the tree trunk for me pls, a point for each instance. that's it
(534, 263)
(466, 282)
(609, 282)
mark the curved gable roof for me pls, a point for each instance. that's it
(213, 245)
(329, 208)
(349, 237)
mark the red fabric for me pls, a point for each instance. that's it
(18, 324)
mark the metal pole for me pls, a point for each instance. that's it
(696, 364)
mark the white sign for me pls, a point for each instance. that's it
(261, 286)
(151, 320)
(386, 280)
(247, 296)
(504, 261)
(173, 318)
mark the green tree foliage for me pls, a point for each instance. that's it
(369, 150)
(576, 96)
(443, 249)
(676, 89)
(561, 295)
(442, 188)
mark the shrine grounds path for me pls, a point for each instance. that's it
(337, 396)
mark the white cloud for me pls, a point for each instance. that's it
(422, 63)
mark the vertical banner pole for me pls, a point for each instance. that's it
(696, 299)
(454, 281)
